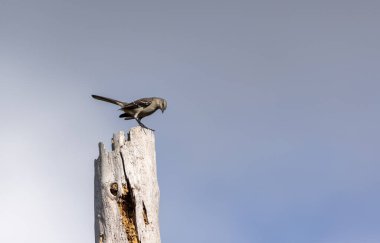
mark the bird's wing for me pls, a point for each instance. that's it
(143, 102)
(116, 102)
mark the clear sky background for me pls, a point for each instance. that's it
(271, 133)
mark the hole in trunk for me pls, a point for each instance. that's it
(114, 188)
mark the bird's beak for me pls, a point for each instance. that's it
(162, 111)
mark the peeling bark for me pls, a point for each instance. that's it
(126, 190)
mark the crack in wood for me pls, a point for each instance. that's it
(127, 208)
(145, 215)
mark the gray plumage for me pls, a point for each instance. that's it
(137, 109)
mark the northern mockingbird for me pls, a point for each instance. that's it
(137, 109)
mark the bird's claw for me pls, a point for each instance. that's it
(143, 126)
(147, 128)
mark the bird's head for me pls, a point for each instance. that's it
(163, 105)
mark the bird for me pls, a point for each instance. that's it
(137, 109)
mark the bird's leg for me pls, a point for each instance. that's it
(142, 125)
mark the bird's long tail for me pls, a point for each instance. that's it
(116, 102)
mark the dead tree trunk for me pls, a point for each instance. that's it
(126, 190)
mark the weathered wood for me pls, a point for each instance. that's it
(126, 190)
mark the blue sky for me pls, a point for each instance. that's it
(271, 133)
